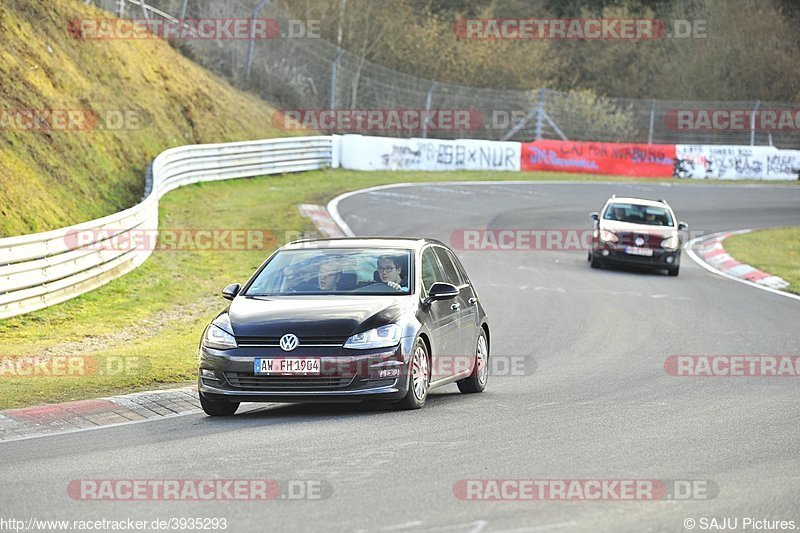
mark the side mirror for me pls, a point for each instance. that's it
(441, 291)
(230, 292)
(682, 226)
(594, 215)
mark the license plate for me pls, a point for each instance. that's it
(633, 250)
(289, 366)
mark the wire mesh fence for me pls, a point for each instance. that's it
(311, 74)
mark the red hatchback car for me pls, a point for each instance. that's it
(636, 232)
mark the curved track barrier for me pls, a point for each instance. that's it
(42, 269)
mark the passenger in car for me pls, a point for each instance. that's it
(650, 218)
(295, 280)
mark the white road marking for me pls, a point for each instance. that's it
(548, 289)
(476, 526)
(333, 205)
(669, 297)
(403, 526)
(545, 527)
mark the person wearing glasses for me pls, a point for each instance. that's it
(390, 271)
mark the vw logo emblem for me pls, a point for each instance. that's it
(289, 342)
(639, 240)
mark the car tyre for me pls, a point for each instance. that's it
(419, 377)
(476, 382)
(673, 271)
(594, 262)
(218, 408)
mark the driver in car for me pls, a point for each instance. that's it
(328, 276)
(390, 271)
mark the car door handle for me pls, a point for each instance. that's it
(472, 300)
(456, 306)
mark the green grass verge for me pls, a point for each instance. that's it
(776, 251)
(51, 178)
(155, 314)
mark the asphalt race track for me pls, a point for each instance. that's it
(599, 404)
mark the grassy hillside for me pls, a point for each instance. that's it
(57, 177)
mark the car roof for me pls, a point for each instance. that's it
(637, 201)
(405, 243)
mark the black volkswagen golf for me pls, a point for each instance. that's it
(346, 320)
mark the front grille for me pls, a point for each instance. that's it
(642, 259)
(304, 341)
(375, 383)
(249, 381)
(651, 240)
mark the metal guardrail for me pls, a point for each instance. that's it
(43, 269)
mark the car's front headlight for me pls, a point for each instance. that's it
(671, 243)
(218, 334)
(608, 236)
(382, 337)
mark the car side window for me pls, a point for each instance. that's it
(451, 274)
(459, 267)
(431, 271)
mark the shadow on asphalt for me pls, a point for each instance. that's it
(303, 412)
(349, 409)
(633, 270)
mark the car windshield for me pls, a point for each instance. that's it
(638, 214)
(331, 271)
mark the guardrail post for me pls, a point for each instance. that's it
(428, 99)
(252, 38)
(184, 5)
(753, 123)
(652, 121)
(540, 113)
(334, 69)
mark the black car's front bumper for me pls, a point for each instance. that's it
(345, 375)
